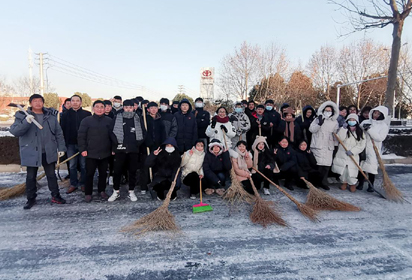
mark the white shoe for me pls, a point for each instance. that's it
(266, 191)
(111, 181)
(132, 196)
(192, 196)
(143, 192)
(115, 195)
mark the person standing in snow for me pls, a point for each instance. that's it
(187, 126)
(202, 119)
(240, 122)
(221, 124)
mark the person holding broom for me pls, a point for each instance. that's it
(167, 160)
(39, 147)
(192, 167)
(376, 128)
(307, 166)
(242, 162)
(264, 161)
(216, 167)
(221, 124)
(352, 137)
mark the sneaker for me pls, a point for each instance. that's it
(266, 191)
(193, 196)
(370, 189)
(104, 196)
(359, 187)
(158, 198)
(143, 192)
(111, 181)
(29, 204)
(58, 200)
(115, 195)
(132, 196)
(88, 198)
(71, 189)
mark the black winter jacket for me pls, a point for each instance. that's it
(297, 132)
(187, 129)
(156, 132)
(285, 158)
(305, 123)
(306, 163)
(203, 121)
(265, 158)
(70, 124)
(170, 123)
(130, 144)
(213, 164)
(95, 136)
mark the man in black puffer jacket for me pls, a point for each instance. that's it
(169, 120)
(95, 144)
(187, 126)
(202, 119)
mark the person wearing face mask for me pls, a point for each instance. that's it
(129, 132)
(165, 162)
(240, 122)
(323, 142)
(304, 121)
(289, 127)
(352, 137)
(258, 121)
(221, 124)
(202, 119)
(169, 120)
(187, 126)
(285, 158)
(249, 111)
(192, 168)
(117, 105)
(272, 118)
(376, 128)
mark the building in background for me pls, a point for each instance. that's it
(207, 78)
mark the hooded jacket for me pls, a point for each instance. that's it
(285, 158)
(217, 133)
(263, 157)
(306, 162)
(304, 123)
(377, 131)
(70, 123)
(32, 140)
(214, 164)
(241, 174)
(187, 128)
(169, 122)
(285, 126)
(323, 142)
(192, 163)
(203, 120)
(156, 133)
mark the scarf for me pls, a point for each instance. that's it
(255, 159)
(290, 129)
(118, 126)
(222, 120)
(241, 162)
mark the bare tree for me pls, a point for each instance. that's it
(5, 88)
(379, 14)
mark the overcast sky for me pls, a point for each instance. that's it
(160, 44)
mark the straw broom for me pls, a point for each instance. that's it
(304, 209)
(20, 189)
(236, 193)
(159, 220)
(320, 200)
(264, 212)
(391, 191)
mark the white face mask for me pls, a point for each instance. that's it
(170, 149)
(116, 104)
(199, 104)
(327, 114)
(164, 107)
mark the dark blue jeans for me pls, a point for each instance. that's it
(31, 188)
(71, 150)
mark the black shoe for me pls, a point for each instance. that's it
(370, 189)
(29, 204)
(360, 187)
(289, 187)
(325, 187)
(58, 199)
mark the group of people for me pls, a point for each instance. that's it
(133, 142)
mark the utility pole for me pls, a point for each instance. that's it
(181, 89)
(31, 72)
(41, 75)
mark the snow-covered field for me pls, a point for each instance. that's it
(83, 241)
(5, 133)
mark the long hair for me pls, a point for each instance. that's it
(358, 130)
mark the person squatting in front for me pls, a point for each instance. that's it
(242, 162)
(285, 158)
(192, 167)
(129, 133)
(39, 147)
(167, 161)
(94, 138)
(216, 167)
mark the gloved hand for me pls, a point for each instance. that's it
(213, 123)
(60, 154)
(366, 126)
(345, 125)
(222, 127)
(349, 153)
(321, 120)
(29, 118)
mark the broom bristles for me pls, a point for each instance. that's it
(392, 193)
(16, 190)
(320, 200)
(236, 193)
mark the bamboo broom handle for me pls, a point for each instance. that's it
(147, 148)
(200, 188)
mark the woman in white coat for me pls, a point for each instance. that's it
(354, 140)
(323, 142)
(192, 167)
(221, 123)
(376, 128)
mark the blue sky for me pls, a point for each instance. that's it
(161, 44)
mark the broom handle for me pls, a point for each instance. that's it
(224, 139)
(253, 187)
(279, 188)
(67, 159)
(200, 188)
(147, 148)
(357, 165)
(260, 131)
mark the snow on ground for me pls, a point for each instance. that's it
(391, 156)
(5, 133)
(83, 241)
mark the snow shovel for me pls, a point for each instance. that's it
(357, 165)
(25, 112)
(201, 207)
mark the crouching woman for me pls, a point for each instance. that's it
(242, 162)
(192, 167)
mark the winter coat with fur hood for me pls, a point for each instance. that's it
(217, 133)
(323, 142)
(192, 162)
(241, 174)
(377, 131)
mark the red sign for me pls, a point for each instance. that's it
(207, 73)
